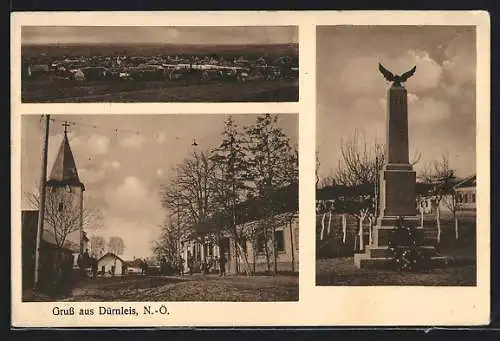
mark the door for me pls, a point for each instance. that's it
(224, 250)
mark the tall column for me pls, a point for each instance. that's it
(397, 126)
(397, 179)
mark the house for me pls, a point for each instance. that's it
(463, 199)
(111, 264)
(466, 193)
(78, 75)
(208, 243)
(49, 252)
(209, 248)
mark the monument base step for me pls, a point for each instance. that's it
(364, 261)
(384, 252)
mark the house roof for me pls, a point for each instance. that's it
(467, 182)
(285, 199)
(64, 169)
(112, 255)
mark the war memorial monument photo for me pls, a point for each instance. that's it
(395, 196)
(154, 208)
(159, 64)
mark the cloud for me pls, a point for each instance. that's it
(161, 137)
(460, 64)
(427, 75)
(134, 213)
(412, 98)
(133, 141)
(360, 75)
(428, 110)
(111, 165)
(89, 176)
(159, 173)
(133, 200)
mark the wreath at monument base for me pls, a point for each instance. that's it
(404, 247)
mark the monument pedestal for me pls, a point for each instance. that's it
(397, 190)
(378, 255)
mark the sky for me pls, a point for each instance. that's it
(159, 34)
(123, 171)
(351, 92)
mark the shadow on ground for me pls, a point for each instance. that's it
(186, 288)
(341, 272)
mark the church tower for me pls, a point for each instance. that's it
(64, 200)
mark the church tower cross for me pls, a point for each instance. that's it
(65, 125)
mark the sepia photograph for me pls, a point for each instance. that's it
(78, 64)
(396, 156)
(119, 208)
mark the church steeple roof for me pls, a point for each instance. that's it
(64, 170)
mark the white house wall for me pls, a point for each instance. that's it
(108, 262)
(284, 258)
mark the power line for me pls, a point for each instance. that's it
(80, 124)
(115, 131)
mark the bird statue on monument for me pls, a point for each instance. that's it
(396, 79)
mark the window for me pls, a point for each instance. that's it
(296, 238)
(279, 239)
(473, 197)
(466, 199)
(61, 207)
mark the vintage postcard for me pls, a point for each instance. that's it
(203, 169)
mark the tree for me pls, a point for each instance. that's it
(116, 246)
(359, 169)
(97, 245)
(166, 247)
(452, 203)
(62, 214)
(230, 165)
(189, 193)
(442, 178)
(272, 165)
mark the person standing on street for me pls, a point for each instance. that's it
(222, 264)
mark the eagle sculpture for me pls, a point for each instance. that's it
(396, 79)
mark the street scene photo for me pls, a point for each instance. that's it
(191, 207)
(159, 64)
(396, 156)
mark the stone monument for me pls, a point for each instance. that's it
(397, 180)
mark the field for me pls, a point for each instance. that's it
(158, 91)
(342, 271)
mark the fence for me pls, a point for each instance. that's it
(333, 244)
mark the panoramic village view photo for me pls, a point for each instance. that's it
(395, 163)
(192, 207)
(159, 64)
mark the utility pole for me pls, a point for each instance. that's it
(41, 208)
(178, 233)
